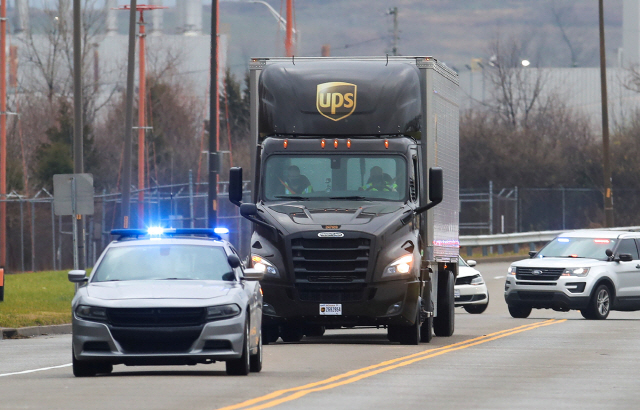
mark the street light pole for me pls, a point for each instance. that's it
(214, 124)
(3, 133)
(78, 150)
(606, 164)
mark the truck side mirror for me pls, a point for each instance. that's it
(248, 210)
(235, 185)
(436, 185)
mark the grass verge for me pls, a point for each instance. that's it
(35, 299)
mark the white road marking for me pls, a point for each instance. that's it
(499, 277)
(36, 370)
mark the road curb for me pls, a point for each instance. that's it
(33, 331)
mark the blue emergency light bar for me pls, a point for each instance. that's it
(159, 231)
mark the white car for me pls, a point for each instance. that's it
(470, 290)
(591, 271)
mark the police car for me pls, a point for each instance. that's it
(167, 297)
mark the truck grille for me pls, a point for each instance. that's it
(330, 260)
(331, 293)
(155, 317)
(540, 273)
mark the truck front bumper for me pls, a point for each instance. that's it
(383, 303)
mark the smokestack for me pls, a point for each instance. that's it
(190, 17)
(156, 19)
(112, 18)
(21, 17)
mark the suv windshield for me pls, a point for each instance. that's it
(164, 262)
(564, 247)
(333, 177)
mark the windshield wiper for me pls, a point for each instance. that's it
(293, 197)
(351, 198)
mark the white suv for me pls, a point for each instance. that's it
(591, 271)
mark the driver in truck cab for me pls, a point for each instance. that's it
(296, 183)
(379, 181)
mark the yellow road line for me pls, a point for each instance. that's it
(272, 399)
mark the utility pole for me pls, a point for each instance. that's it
(125, 209)
(78, 150)
(214, 123)
(3, 133)
(394, 13)
(288, 42)
(606, 163)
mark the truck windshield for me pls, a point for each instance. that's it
(335, 177)
(571, 247)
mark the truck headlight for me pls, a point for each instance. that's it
(222, 312)
(576, 272)
(260, 263)
(400, 266)
(477, 280)
(91, 313)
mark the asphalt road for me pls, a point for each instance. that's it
(552, 359)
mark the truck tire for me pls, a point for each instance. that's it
(270, 334)
(314, 330)
(393, 333)
(292, 334)
(444, 323)
(426, 330)
(410, 335)
(519, 311)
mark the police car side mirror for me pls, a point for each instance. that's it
(234, 261)
(248, 210)
(625, 257)
(235, 185)
(253, 274)
(77, 276)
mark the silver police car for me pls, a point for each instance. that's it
(167, 297)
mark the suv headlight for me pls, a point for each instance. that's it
(477, 280)
(511, 270)
(260, 263)
(91, 313)
(222, 312)
(576, 272)
(400, 266)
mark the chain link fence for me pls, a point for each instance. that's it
(37, 239)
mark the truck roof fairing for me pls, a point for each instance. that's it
(340, 98)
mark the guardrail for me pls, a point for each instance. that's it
(517, 239)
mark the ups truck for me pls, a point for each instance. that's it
(355, 195)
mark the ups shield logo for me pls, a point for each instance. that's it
(336, 100)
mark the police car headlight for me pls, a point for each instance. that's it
(260, 263)
(222, 312)
(400, 266)
(511, 270)
(91, 313)
(576, 272)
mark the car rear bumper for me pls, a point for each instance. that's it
(213, 341)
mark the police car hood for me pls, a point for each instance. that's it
(158, 289)
(332, 212)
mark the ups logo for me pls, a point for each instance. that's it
(336, 100)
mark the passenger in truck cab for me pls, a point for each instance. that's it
(296, 183)
(379, 181)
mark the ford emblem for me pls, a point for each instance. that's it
(537, 272)
(330, 234)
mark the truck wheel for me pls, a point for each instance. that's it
(410, 335)
(476, 309)
(393, 333)
(255, 360)
(241, 366)
(82, 368)
(314, 331)
(600, 303)
(292, 333)
(444, 323)
(270, 334)
(519, 311)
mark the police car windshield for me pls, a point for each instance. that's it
(335, 177)
(164, 262)
(571, 247)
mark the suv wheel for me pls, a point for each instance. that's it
(520, 311)
(599, 305)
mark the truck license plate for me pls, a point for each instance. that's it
(456, 293)
(330, 309)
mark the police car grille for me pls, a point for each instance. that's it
(155, 317)
(545, 273)
(330, 259)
